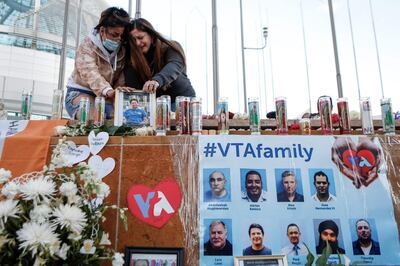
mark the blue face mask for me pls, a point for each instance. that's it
(110, 45)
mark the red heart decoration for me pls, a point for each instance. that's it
(362, 161)
(350, 159)
(366, 161)
(155, 206)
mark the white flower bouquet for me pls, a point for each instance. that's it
(54, 217)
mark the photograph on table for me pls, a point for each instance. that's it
(134, 109)
(273, 260)
(153, 256)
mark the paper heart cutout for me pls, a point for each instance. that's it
(97, 142)
(74, 154)
(362, 161)
(155, 206)
(103, 168)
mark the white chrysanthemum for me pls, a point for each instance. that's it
(75, 236)
(39, 261)
(38, 238)
(57, 158)
(90, 176)
(62, 253)
(8, 208)
(102, 190)
(4, 175)
(60, 130)
(40, 213)
(3, 240)
(37, 189)
(71, 217)
(142, 131)
(10, 190)
(118, 259)
(75, 200)
(68, 189)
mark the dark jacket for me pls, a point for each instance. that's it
(210, 251)
(172, 77)
(282, 197)
(375, 249)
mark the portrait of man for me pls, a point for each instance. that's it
(218, 190)
(256, 234)
(321, 183)
(254, 187)
(329, 231)
(218, 244)
(295, 248)
(289, 184)
(365, 245)
(135, 116)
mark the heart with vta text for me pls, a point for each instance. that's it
(155, 206)
(361, 161)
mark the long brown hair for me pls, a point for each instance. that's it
(160, 44)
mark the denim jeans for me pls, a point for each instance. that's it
(72, 109)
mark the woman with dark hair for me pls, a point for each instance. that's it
(156, 64)
(99, 62)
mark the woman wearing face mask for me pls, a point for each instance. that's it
(98, 63)
(156, 64)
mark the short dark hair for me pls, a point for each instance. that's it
(113, 17)
(290, 225)
(256, 226)
(287, 173)
(133, 99)
(253, 172)
(321, 174)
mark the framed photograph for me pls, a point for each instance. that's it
(134, 109)
(153, 256)
(274, 260)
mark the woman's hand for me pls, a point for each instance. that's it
(366, 143)
(110, 94)
(151, 86)
(340, 146)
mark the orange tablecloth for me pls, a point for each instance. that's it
(27, 151)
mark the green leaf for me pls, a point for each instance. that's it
(310, 256)
(326, 252)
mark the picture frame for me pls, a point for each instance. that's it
(146, 106)
(270, 260)
(158, 256)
